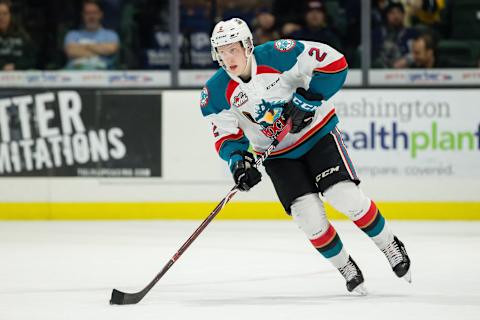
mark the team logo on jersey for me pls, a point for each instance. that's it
(204, 97)
(266, 113)
(284, 45)
(240, 99)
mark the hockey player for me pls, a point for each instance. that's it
(249, 99)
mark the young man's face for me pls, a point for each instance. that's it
(234, 58)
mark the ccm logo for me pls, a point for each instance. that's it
(303, 105)
(326, 173)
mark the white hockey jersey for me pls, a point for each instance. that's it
(250, 113)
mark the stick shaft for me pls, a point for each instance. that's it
(129, 298)
(192, 238)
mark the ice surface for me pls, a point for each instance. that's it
(234, 270)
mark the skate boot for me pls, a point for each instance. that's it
(354, 277)
(398, 258)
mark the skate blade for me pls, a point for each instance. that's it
(361, 290)
(408, 276)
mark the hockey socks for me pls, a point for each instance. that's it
(331, 247)
(374, 225)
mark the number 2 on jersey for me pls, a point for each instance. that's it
(319, 57)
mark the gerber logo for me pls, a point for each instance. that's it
(284, 45)
(204, 97)
(303, 105)
(240, 100)
(326, 173)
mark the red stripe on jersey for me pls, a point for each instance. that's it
(325, 238)
(232, 85)
(334, 67)
(238, 135)
(369, 217)
(266, 69)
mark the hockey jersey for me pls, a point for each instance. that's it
(249, 113)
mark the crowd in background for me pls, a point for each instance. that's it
(134, 34)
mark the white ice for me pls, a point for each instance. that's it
(234, 270)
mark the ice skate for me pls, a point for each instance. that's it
(354, 277)
(398, 258)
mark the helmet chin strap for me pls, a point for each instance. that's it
(249, 62)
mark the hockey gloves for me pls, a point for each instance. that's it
(244, 172)
(301, 109)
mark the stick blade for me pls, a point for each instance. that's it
(118, 297)
(121, 298)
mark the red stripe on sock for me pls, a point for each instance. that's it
(325, 238)
(368, 218)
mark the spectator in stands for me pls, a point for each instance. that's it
(288, 29)
(16, 50)
(427, 12)
(92, 47)
(264, 27)
(316, 26)
(391, 42)
(424, 52)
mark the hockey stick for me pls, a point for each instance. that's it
(119, 297)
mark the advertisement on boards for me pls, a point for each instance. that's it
(79, 133)
(412, 133)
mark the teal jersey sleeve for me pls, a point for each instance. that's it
(327, 84)
(215, 107)
(326, 67)
(212, 97)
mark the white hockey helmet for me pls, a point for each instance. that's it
(231, 31)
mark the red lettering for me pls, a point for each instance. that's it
(275, 128)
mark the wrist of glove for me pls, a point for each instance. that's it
(245, 174)
(301, 109)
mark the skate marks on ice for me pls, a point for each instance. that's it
(328, 299)
(243, 269)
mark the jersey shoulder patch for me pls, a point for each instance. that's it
(284, 45)
(280, 54)
(204, 97)
(212, 96)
